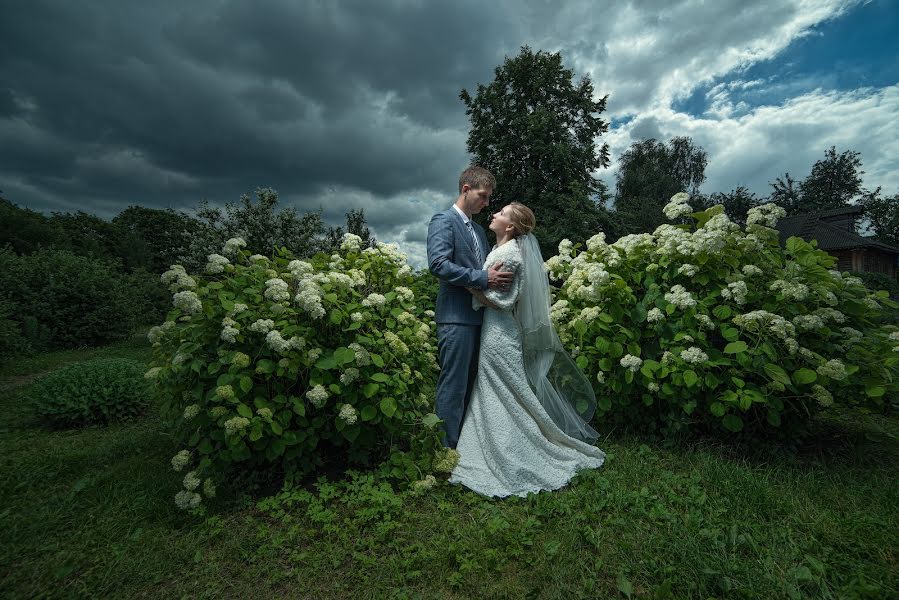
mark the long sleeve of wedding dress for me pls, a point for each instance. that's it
(508, 444)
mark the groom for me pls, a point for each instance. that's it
(457, 248)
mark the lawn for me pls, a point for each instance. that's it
(90, 513)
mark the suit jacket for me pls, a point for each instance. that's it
(453, 258)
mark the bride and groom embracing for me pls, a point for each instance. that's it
(513, 403)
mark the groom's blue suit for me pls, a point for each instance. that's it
(453, 258)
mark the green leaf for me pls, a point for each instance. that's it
(377, 360)
(388, 406)
(265, 366)
(730, 334)
(717, 409)
(804, 376)
(691, 378)
(722, 312)
(732, 423)
(344, 356)
(335, 389)
(382, 377)
(244, 411)
(276, 428)
(582, 362)
(736, 347)
(629, 376)
(875, 391)
(369, 412)
(430, 420)
(370, 389)
(625, 586)
(776, 373)
(298, 406)
(335, 317)
(246, 384)
(326, 364)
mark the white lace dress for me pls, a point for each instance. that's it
(508, 444)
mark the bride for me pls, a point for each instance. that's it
(526, 426)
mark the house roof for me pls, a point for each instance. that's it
(808, 226)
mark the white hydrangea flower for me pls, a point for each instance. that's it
(181, 460)
(277, 290)
(791, 290)
(218, 411)
(808, 322)
(191, 481)
(705, 322)
(761, 320)
(405, 294)
(178, 279)
(191, 411)
(262, 325)
(236, 425)
(894, 336)
(349, 376)
(422, 485)
(751, 270)
(833, 369)
(299, 268)
(831, 314)
(348, 414)
(680, 297)
(766, 215)
(216, 263)
(318, 396)
(631, 362)
(363, 358)
(188, 302)
(376, 300)
(678, 206)
(314, 354)
(153, 373)
(597, 242)
(600, 377)
(357, 317)
(186, 500)
(351, 242)
(822, 395)
(225, 392)
(688, 270)
(694, 355)
(653, 387)
(736, 291)
(229, 334)
(396, 344)
(233, 246)
(209, 488)
(265, 414)
(655, 315)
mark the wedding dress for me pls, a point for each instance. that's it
(512, 442)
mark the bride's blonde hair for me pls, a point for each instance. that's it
(522, 217)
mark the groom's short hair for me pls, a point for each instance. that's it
(477, 178)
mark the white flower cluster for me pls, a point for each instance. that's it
(422, 485)
(736, 291)
(349, 376)
(694, 355)
(233, 246)
(363, 358)
(821, 394)
(314, 354)
(357, 317)
(705, 322)
(348, 414)
(276, 342)
(405, 294)
(761, 320)
(445, 460)
(236, 425)
(258, 258)
(152, 373)
(559, 311)
(216, 263)
(597, 242)
(767, 215)
(396, 344)
(678, 206)
(589, 314)
(191, 411)
(831, 314)
(299, 268)
(309, 297)
(186, 500)
(225, 392)
(218, 411)
(631, 362)
(833, 369)
(655, 315)
(851, 336)
(680, 297)
(277, 290)
(586, 281)
(265, 414)
(791, 290)
(181, 460)
(157, 332)
(262, 325)
(178, 279)
(631, 244)
(358, 277)
(894, 336)
(191, 481)
(375, 300)
(240, 360)
(688, 270)
(318, 396)
(808, 322)
(229, 331)
(751, 270)
(188, 302)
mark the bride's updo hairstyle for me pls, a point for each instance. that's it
(522, 217)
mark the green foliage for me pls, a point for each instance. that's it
(736, 203)
(12, 341)
(95, 392)
(834, 181)
(650, 171)
(535, 130)
(717, 327)
(63, 300)
(279, 362)
(883, 214)
(153, 239)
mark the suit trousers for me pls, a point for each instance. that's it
(457, 347)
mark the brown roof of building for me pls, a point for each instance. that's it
(830, 237)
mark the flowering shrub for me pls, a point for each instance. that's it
(713, 325)
(280, 360)
(94, 392)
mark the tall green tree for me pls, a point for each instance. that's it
(154, 238)
(649, 173)
(883, 216)
(355, 224)
(535, 129)
(786, 194)
(834, 181)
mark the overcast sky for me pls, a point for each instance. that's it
(340, 105)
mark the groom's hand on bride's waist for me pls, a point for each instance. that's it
(498, 280)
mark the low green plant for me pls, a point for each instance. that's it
(94, 392)
(706, 324)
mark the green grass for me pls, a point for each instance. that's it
(90, 513)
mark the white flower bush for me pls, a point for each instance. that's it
(712, 325)
(279, 360)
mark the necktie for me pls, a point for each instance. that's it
(477, 244)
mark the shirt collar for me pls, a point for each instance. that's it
(462, 214)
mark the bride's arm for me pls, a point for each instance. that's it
(482, 298)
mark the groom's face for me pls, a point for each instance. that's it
(476, 199)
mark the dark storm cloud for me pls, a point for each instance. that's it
(166, 105)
